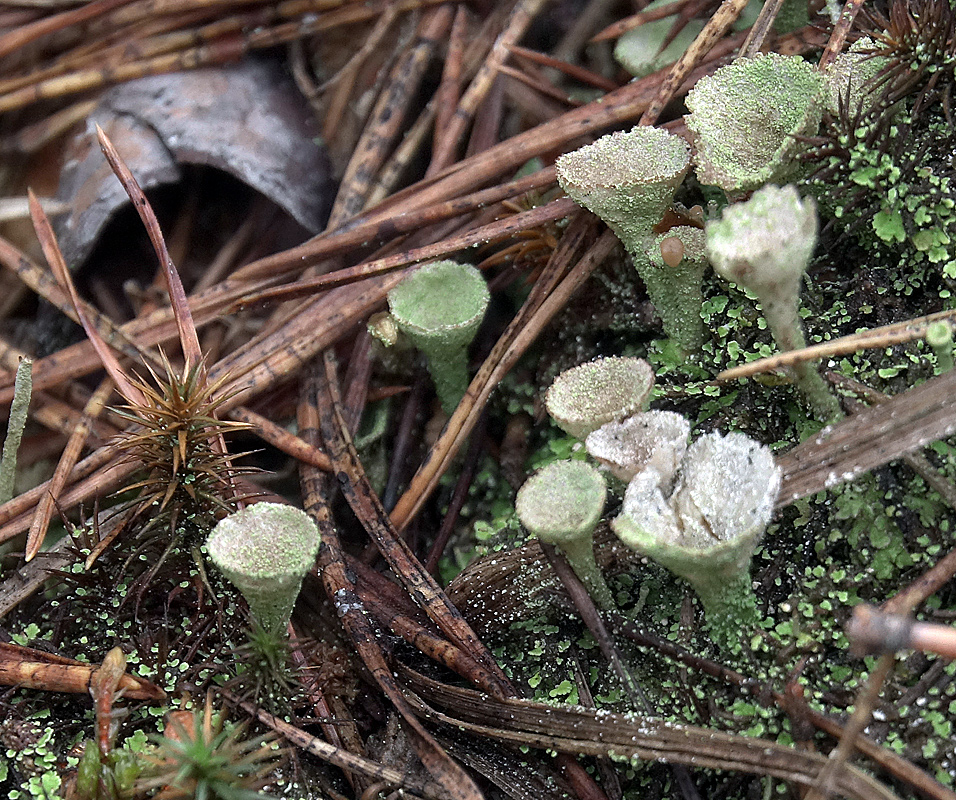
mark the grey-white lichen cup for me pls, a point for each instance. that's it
(265, 550)
(706, 529)
(650, 440)
(587, 396)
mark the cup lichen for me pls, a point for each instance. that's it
(265, 550)
(649, 440)
(746, 117)
(673, 271)
(629, 179)
(706, 529)
(440, 307)
(562, 504)
(764, 244)
(587, 396)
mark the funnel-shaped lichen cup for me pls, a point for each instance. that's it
(706, 530)
(440, 308)
(650, 440)
(764, 244)
(746, 118)
(265, 550)
(562, 504)
(627, 178)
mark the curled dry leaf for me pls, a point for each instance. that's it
(245, 120)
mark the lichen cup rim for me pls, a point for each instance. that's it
(570, 399)
(231, 548)
(553, 514)
(716, 102)
(407, 311)
(600, 165)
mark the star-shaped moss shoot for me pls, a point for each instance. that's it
(562, 504)
(628, 180)
(584, 398)
(650, 440)
(266, 550)
(706, 529)
(440, 307)
(746, 117)
(764, 245)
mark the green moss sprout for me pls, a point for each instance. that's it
(203, 756)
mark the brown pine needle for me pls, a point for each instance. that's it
(622, 26)
(875, 338)
(74, 446)
(188, 337)
(37, 669)
(55, 259)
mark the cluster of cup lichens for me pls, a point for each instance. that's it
(699, 509)
(746, 129)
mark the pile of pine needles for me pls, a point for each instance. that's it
(423, 171)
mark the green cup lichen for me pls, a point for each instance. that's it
(440, 308)
(587, 396)
(627, 178)
(706, 529)
(746, 117)
(939, 336)
(639, 50)
(851, 77)
(266, 550)
(562, 504)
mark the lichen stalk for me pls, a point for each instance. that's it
(22, 390)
